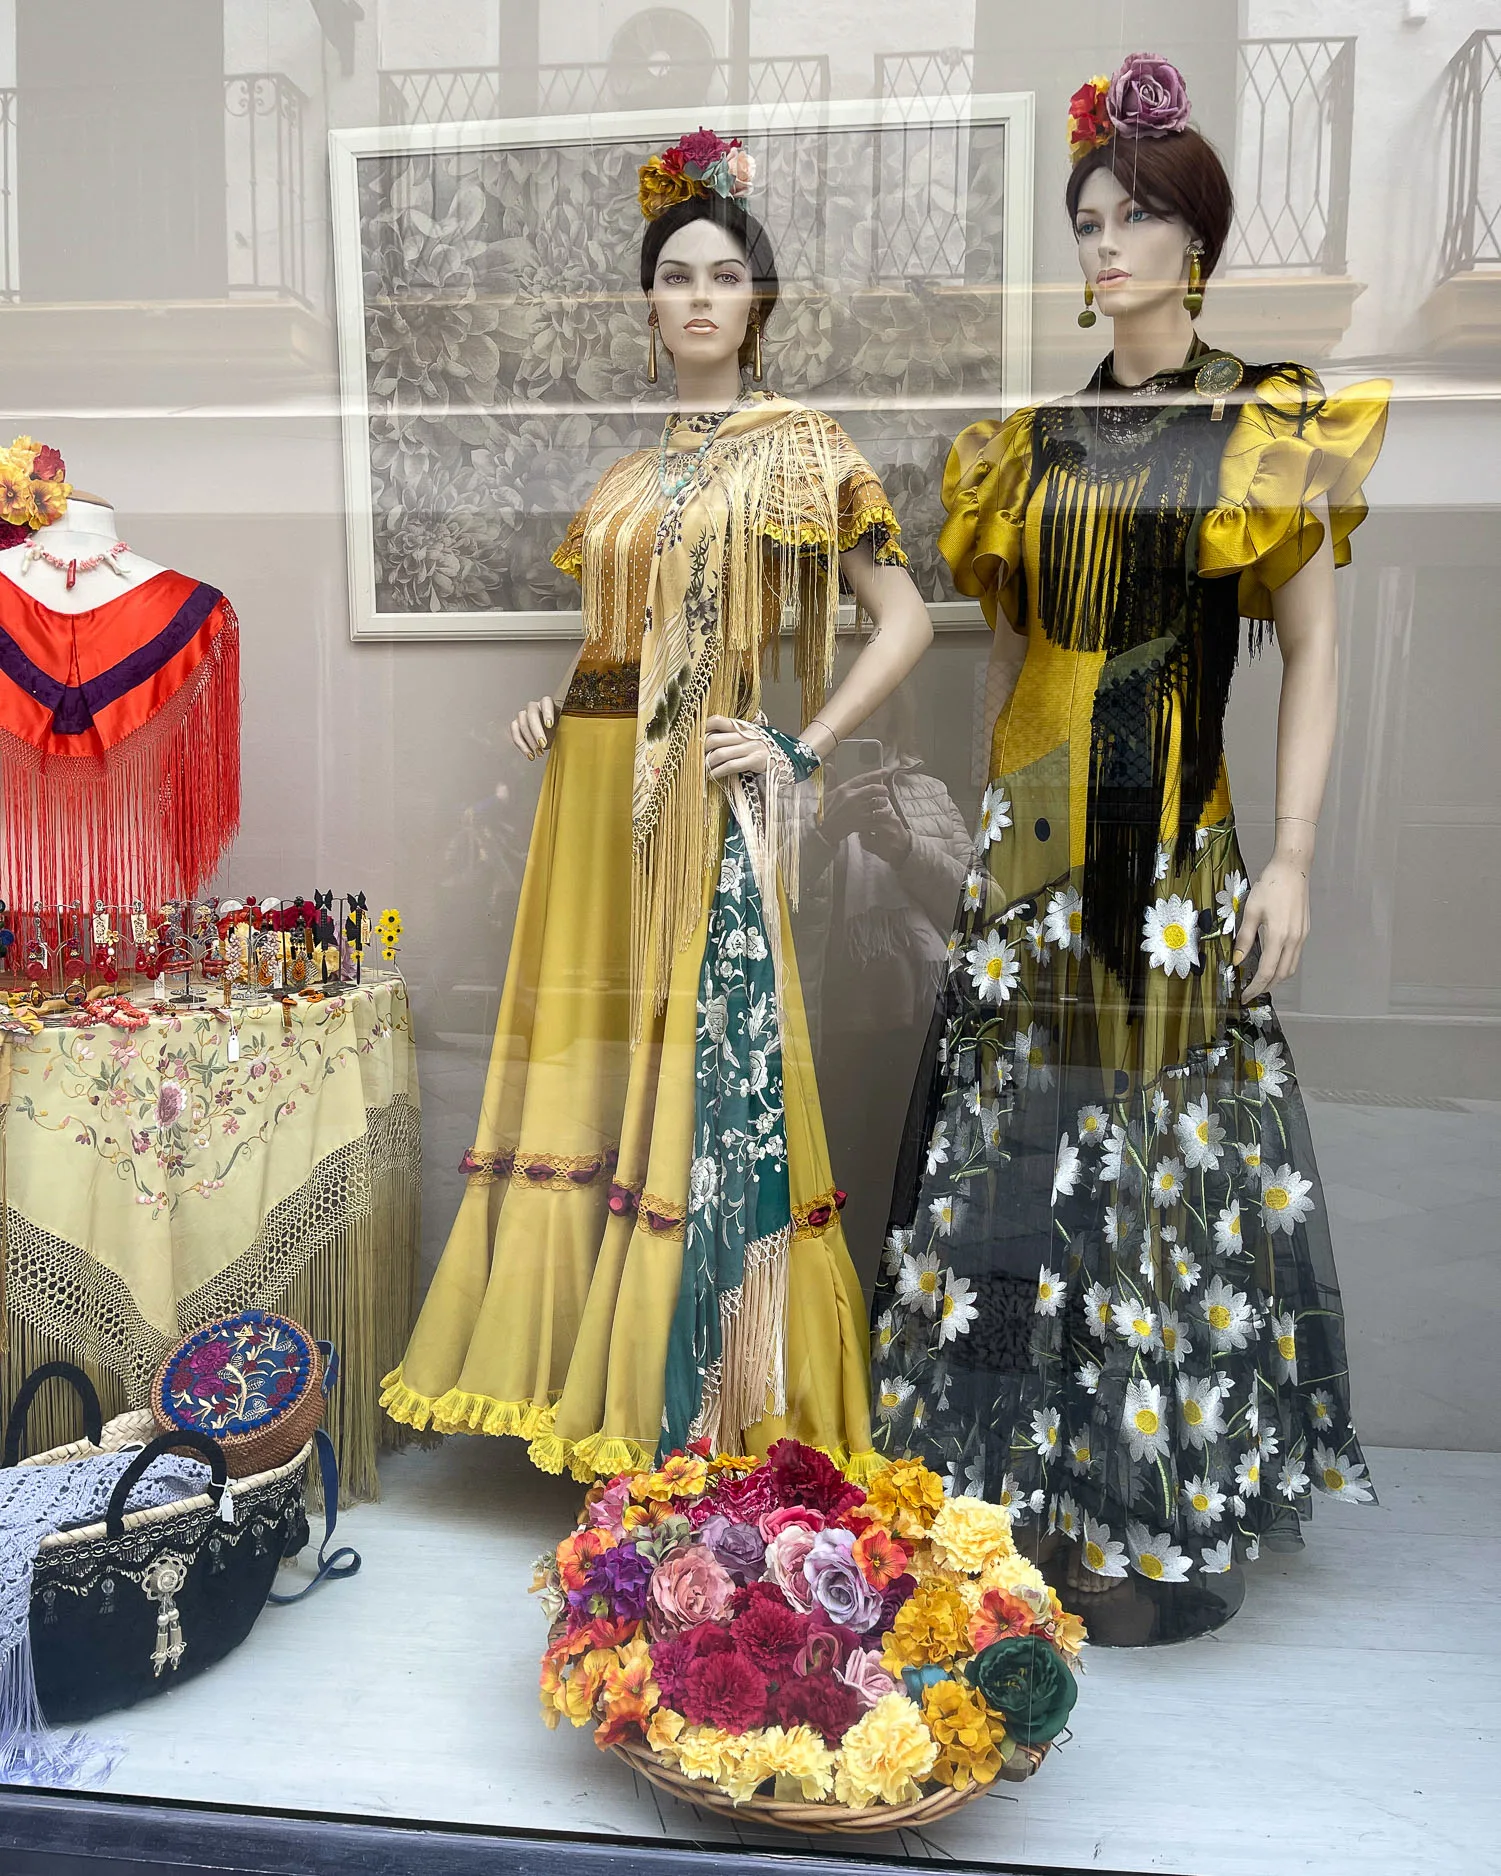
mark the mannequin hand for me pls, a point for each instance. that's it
(532, 728)
(864, 807)
(731, 749)
(1276, 913)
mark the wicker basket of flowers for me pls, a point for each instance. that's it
(766, 1638)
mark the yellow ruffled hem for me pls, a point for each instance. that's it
(599, 1456)
(878, 514)
(569, 560)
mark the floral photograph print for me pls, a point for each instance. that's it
(493, 338)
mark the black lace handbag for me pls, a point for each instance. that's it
(126, 1608)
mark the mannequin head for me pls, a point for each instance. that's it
(708, 270)
(1136, 204)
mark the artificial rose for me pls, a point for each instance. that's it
(771, 1522)
(828, 1645)
(659, 188)
(805, 1476)
(895, 1597)
(1147, 97)
(725, 1690)
(1028, 1683)
(785, 1556)
(864, 1674)
(821, 1701)
(837, 1583)
(770, 1634)
(741, 166)
(739, 1549)
(687, 1589)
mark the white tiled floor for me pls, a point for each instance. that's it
(1346, 1721)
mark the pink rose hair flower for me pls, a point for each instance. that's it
(1147, 97)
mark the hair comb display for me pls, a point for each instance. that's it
(701, 163)
(1144, 97)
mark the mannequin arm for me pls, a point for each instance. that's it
(903, 631)
(1276, 910)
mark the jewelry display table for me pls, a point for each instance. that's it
(208, 1161)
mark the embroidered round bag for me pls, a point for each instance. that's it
(253, 1381)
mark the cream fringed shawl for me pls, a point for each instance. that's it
(719, 591)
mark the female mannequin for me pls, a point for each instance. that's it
(83, 532)
(1109, 1294)
(649, 1250)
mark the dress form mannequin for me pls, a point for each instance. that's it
(85, 528)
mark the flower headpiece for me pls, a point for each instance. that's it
(699, 164)
(1145, 97)
(32, 489)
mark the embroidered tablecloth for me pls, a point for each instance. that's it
(157, 1177)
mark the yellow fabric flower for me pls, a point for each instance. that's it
(663, 1732)
(660, 188)
(1022, 1579)
(795, 1757)
(969, 1735)
(906, 1497)
(1068, 1630)
(575, 1698)
(17, 503)
(683, 1475)
(931, 1627)
(885, 1755)
(968, 1534)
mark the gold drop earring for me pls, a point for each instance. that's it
(757, 367)
(651, 357)
(1087, 316)
(1193, 300)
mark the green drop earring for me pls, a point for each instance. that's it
(1087, 316)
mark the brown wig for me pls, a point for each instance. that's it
(754, 242)
(1178, 175)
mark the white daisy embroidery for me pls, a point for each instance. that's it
(1285, 1200)
(1135, 1324)
(1339, 1477)
(1217, 1558)
(1200, 1412)
(893, 1395)
(1321, 1407)
(1097, 1310)
(1050, 1292)
(1203, 1503)
(957, 1310)
(1031, 1054)
(1201, 1134)
(1103, 1554)
(993, 968)
(1228, 901)
(1177, 1345)
(1266, 1067)
(1170, 936)
(1227, 1238)
(1143, 1422)
(898, 1243)
(1285, 1341)
(938, 1147)
(945, 1213)
(995, 816)
(1092, 1123)
(1065, 1169)
(1110, 1157)
(1167, 1182)
(1063, 924)
(974, 889)
(1227, 1314)
(920, 1282)
(1045, 1431)
(1156, 1555)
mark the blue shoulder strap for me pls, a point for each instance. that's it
(346, 1560)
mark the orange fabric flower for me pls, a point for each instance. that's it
(880, 1557)
(576, 1553)
(1000, 1614)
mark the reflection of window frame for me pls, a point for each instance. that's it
(1011, 110)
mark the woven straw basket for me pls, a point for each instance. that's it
(818, 1819)
(275, 1441)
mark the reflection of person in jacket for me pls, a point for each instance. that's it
(882, 872)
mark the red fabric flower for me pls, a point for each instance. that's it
(741, 1500)
(892, 1598)
(673, 1655)
(12, 534)
(819, 1701)
(701, 148)
(724, 1690)
(804, 1476)
(672, 161)
(880, 1557)
(47, 464)
(775, 1522)
(829, 1646)
(1088, 121)
(769, 1634)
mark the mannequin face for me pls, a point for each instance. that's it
(702, 293)
(1133, 257)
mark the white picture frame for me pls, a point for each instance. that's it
(348, 148)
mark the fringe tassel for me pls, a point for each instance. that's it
(31, 1753)
(147, 820)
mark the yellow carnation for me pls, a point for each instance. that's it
(905, 1497)
(706, 1752)
(969, 1735)
(931, 1627)
(795, 1757)
(1022, 1579)
(885, 1755)
(968, 1534)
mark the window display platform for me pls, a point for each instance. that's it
(1344, 1720)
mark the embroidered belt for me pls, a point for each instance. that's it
(607, 692)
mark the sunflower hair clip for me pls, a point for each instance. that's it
(1144, 97)
(701, 163)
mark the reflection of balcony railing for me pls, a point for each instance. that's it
(264, 176)
(469, 93)
(922, 183)
(1295, 113)
(1472, 111)
(8, 267)
(264, 187)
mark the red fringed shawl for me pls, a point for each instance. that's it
(119, 744)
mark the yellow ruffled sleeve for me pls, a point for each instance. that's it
(568, 555)
(1291, 445)
(985, 488)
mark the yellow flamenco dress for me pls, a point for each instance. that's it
(550, 1314)
(1109, 1298)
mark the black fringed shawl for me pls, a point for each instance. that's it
(1127, 476)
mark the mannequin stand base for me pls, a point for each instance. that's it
(1133, 1612)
